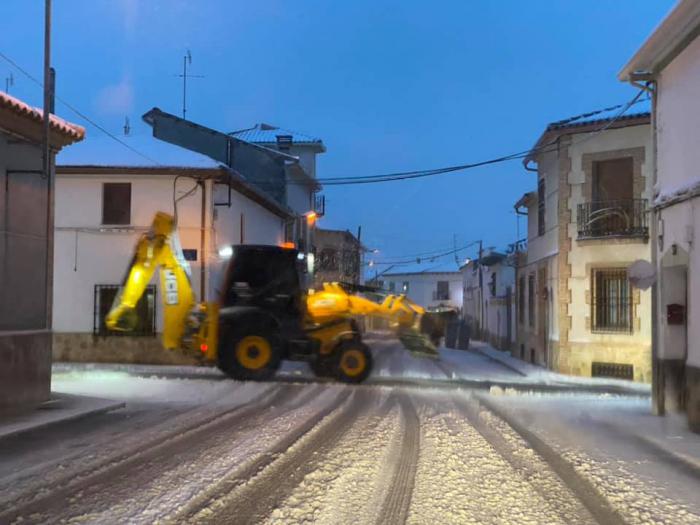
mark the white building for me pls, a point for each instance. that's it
(668, 65)
(488, 304)
(428, 288)
(101, 210)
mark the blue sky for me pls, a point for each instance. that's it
(388, 85)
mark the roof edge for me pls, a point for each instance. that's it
(680, 26)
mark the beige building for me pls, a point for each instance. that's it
(668, 66)
(587, 222)
(338, 257)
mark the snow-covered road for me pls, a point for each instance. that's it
(191, 449)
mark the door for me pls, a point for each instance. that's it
(509, 317)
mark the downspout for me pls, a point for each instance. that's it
(658, 402)
(202, 243)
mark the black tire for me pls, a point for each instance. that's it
(352, 362)
(250, 353)
(323, 366)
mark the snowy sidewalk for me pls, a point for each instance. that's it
(542, 375)
(59, 409)
(603, 435)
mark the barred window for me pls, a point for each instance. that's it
(145, 311)
(611, 300)
(531, 300)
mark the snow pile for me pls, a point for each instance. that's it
(670, 195)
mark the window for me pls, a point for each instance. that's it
(613, 180)
(328, 261)
(392, 286)
(145, 311)
(116, 203)
(442, 291)
(521, 301)
(611, 301)
(492, 285)
(531, 300)
(190, 254)
(541, 197)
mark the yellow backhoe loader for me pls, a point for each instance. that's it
(264, 314)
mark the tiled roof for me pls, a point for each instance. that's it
(601, 118)
(23, 109)
(267, 134)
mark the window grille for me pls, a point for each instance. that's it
(145, 311)
(611, 301)
(615, 370)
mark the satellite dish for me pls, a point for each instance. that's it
(641, 274)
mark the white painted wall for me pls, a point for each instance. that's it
(86, 253)
(678, 158)
(422, 286)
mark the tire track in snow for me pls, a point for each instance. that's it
(253, 492)
(398, 500)
(553, 489)
(584, 490)
(99, 476)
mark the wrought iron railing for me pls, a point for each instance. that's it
(320, 205)
(619, 218)
(518, 246)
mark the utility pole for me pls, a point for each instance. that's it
(186, 60)
(481, 290)
(47, 172)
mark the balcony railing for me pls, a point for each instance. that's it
(620, 218)
(441, 296)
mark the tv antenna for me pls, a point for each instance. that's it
(127, 126)
(9, 81)
(186, 60)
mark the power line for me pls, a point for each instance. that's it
(76, 110)
(406, 175)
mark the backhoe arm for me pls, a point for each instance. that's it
(157, 248)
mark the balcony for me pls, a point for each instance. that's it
(609, 219)
(320, 205)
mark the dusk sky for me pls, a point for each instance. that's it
(389, 86)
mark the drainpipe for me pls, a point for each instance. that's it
(202, 242)
(658, 401)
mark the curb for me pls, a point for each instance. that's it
(75, 415)
(500, 362)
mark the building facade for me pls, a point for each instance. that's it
(430, 289)
(338, 257)
(100, 213)
(668, 65)
(587, 223)
(26, 245)
(489, 299)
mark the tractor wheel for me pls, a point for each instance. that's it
(322, 366)
(353, 362)
(250, 354)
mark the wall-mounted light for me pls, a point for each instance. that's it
(225, 252)
(311, 217)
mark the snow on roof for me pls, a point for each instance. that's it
(58, 124)
(102, 150)
(267, 134)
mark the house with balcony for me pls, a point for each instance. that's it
(435, 287)
(338, 257)
(587, 223)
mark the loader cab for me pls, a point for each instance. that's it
(266, 277)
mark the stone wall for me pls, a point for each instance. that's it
(577, 358)
(87, 348)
